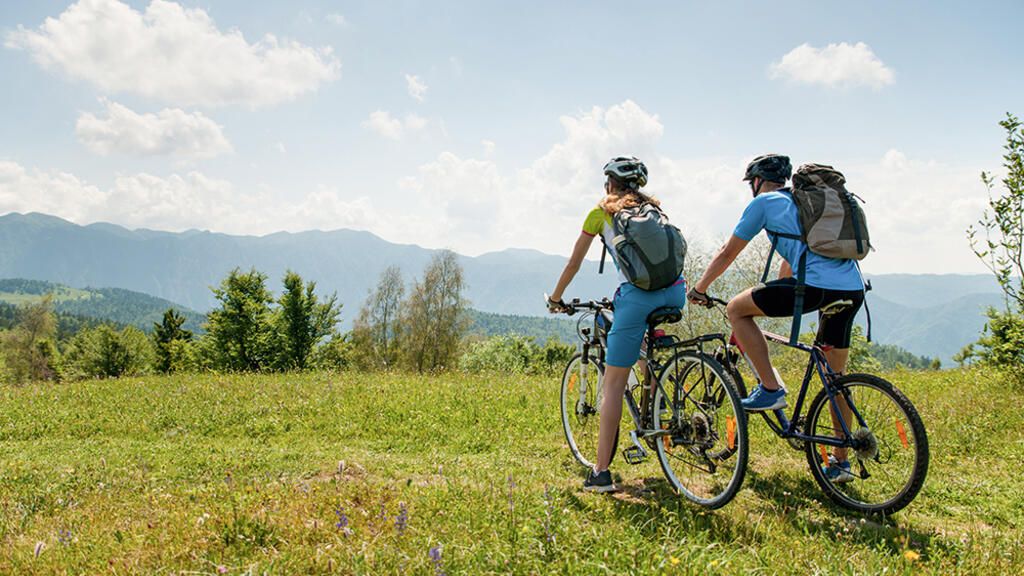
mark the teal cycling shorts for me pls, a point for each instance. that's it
(632, 305)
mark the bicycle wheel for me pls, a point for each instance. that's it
(703, 451)
(580, 406)
(889, 459)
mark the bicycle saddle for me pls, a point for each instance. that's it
(664, 315)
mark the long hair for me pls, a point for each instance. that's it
(622, 196)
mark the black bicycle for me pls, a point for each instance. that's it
(880, 428)
(683, 404)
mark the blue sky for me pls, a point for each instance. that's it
(481, 126)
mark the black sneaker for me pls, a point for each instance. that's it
(599, 482)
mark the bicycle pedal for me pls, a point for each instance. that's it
(634, 455)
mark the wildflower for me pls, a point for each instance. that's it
(64, 536)
(548, 505)
(402, 520)
(911, 555)
(674, 561)
(435, 557)
(342, 523)
(39, 548)
(222, 569)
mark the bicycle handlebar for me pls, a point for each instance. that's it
(574, 305)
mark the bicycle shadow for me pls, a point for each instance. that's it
(651, 505)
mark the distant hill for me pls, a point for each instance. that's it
(539, 329)
(116, 305)
(929, 315)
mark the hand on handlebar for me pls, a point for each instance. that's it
(555, 306)
(699, 298)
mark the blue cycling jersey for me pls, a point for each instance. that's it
(776, 211)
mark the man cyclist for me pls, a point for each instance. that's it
(827, 280)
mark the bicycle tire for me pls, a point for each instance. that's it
(893, 447)
(703, 442)
(581, 420)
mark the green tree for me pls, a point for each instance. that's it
(303, 321)
(434, 317)
(105, 352)
(168, 340)
(377, 329)
(240, 329)
(1002, 250)
(29, 348)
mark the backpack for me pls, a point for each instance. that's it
(832, 224)
(648, 250)
(832, 221)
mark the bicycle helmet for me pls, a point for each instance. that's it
(770, 167)
(628, 170)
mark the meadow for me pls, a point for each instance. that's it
(355, 473)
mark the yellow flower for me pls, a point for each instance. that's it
(911, 555)
(674, 560)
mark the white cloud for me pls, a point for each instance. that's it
(392, 128)
(173, 54)
(337, 19)
(281, 148)
(177, 202)
(488, 147)
(171, 132)
(834, 65)
(415, 86)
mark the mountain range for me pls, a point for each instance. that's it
(930, 315)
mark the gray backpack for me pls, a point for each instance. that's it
(832, 224)
(831, 220)
(648, 250)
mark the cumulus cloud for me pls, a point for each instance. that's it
(173, 54)
(835, 65)
(417, 88)
(382, 123)
(170, 132)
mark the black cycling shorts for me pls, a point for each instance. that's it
(775, 299)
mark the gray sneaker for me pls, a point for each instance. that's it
(600, 483)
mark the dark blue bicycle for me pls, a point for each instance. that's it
(880, 429)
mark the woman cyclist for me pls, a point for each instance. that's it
(625, 177)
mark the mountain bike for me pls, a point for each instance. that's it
(885, 436)
(682, 404)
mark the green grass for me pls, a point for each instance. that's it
(204, 474)
(61, 294)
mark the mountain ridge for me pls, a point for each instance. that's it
(182, 266)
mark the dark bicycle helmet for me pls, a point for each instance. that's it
(771, 167)
(628, 170)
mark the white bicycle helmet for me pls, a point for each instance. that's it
(628, 170)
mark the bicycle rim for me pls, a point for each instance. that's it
(580, 408)
(891, 463)
(704, 453)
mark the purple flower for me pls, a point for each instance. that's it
(64, 536)
(435, 557)
(342, 519)
(402, 520)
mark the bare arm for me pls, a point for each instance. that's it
(721, 262)
(573, 266)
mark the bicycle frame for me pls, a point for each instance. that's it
(817, 363)
(598, 339)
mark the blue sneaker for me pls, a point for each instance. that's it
(762, 400)
(837, 472)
